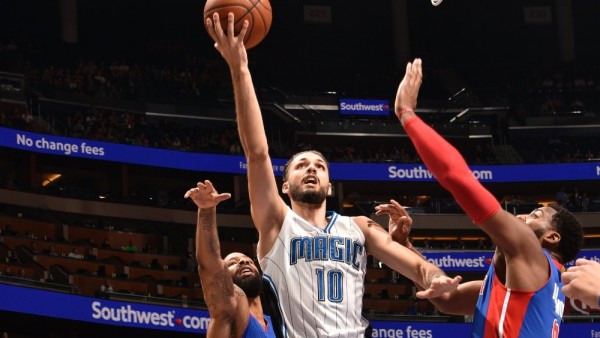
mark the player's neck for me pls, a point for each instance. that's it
(315, 215)
(256, 310)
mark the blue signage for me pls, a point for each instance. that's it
(101, 311)
(579, 330)
(66, 146)
(473, 261)
(591, 254)
(73, 147)
(397, 329)
(462, 261)
(364, 107)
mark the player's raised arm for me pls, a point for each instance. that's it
(226, 304)
(268, 209)
(512, 236)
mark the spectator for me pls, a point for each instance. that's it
(105, 244)
(91, 254)
(106, 287)
(11, 257)
(34, 248)
(154, 263)
(130, 247)
(150, 249)
(413, 309)
(585, 202)
(576, 200)
(75, 254)
(481, 244)
(562, 198)
(426, 244)
(8, 230)
(52, 250)
(191, 262)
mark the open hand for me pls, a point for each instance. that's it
(582, 281)
(408, 90)
(400, 222)
(440, 285)
(205, 195)
(230, 46)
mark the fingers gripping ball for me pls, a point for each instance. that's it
(257, 12)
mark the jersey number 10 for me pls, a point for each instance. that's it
(330, 283)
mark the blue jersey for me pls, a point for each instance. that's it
(508, 313)
(255, 330)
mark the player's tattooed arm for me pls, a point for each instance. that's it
(372, 224)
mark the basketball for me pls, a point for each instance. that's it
(257, 12)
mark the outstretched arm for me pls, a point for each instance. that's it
(224, 299)
(267, 207)
(512, 237)
(428, 277)
(463, 299)
(582, 282)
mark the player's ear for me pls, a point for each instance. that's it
(329, 189)
(285, 187)
(552, 237)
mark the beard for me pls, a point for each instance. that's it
(308, 197)
(252, 286)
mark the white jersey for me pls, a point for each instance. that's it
(318, 276)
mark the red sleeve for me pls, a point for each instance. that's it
(451, 170)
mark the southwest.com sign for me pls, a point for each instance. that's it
(134, 315)
(72, 307)
(476, 260)
(101, 311)
(232, 164)
(364, 107)
(463, 261)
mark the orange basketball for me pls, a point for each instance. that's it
(257, 12)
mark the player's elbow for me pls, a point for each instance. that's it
(207, 267)
(223, 315)
(257, 154)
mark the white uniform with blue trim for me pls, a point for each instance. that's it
(318, 275)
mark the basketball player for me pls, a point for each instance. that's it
(315, 259)
(231, 286)
(582, 281)
(521, 293)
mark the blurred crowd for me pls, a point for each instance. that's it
(171, 73)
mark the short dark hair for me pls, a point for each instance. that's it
(287, 164)
(571, 233)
